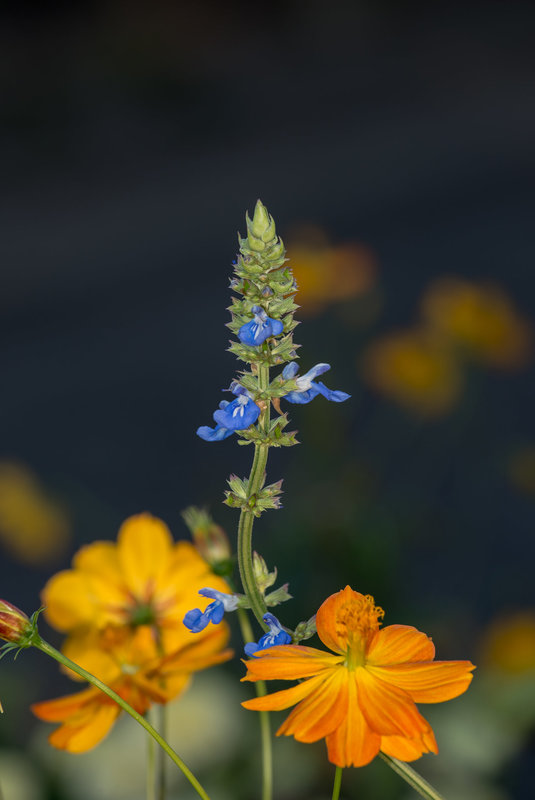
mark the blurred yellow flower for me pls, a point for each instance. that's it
(416, 369)
(144, 579)
(33, 528)
(328, 273)
(481, 319)
(521, 469)
(133, 666)
(509, 643)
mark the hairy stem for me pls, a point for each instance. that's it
(265, 724)
(412, 777)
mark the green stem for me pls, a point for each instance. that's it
(337, 783)
(151, 770)
(55, 654)
(265, 724)
(245, 525)
(412, 777)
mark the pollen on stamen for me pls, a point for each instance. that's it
(358, 616)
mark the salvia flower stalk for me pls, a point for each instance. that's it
(130, 610)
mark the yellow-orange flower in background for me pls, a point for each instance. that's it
(133, 666)
(416, 369)
(481, 319)
(34, 528)
(361, 700)
(327, 273)
(144, 579)
(509, 643)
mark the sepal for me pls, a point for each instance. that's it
(304, 630)
(278, 596)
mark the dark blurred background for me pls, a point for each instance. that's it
(393, 144)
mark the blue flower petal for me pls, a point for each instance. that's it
(302, 397)
(290, 370)
(195, 620)
(275, 635)
(216, 434)
(330, 394)
(255, 332)
(239, 414)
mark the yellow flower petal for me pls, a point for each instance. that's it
(67, 601)
(144, 548)
(352, 743)
(428, 682)
(397, 644)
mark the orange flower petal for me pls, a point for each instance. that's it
(353, 743)
(321, 712)
(332, 634)
(62, 708)
(86, 732)
(397, 644)
(387, 709)
(144, 549)
(409, 749)
(428, 682)
(289, 662)
(285, 698)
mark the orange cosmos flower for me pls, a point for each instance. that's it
(144, 579)
(362, 699)
(132, 666)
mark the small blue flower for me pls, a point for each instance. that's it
(197, 620)
(307, 387)
(230, 417)
(260, 328)
(275, 635)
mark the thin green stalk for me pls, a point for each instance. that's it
(245, 525)
(250, 587)
(337, 783)
(265, 724)
(55, 654)
(412, 778)
(150, 790)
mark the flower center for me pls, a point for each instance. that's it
(142, 615)
(356, 621)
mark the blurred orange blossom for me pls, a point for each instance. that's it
(133, 666)
(361, 700)
(328, 273)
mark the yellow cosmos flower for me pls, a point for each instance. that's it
(361, 699)
(417, 369)
(130, 664)
(144, 579)
(482, 319)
